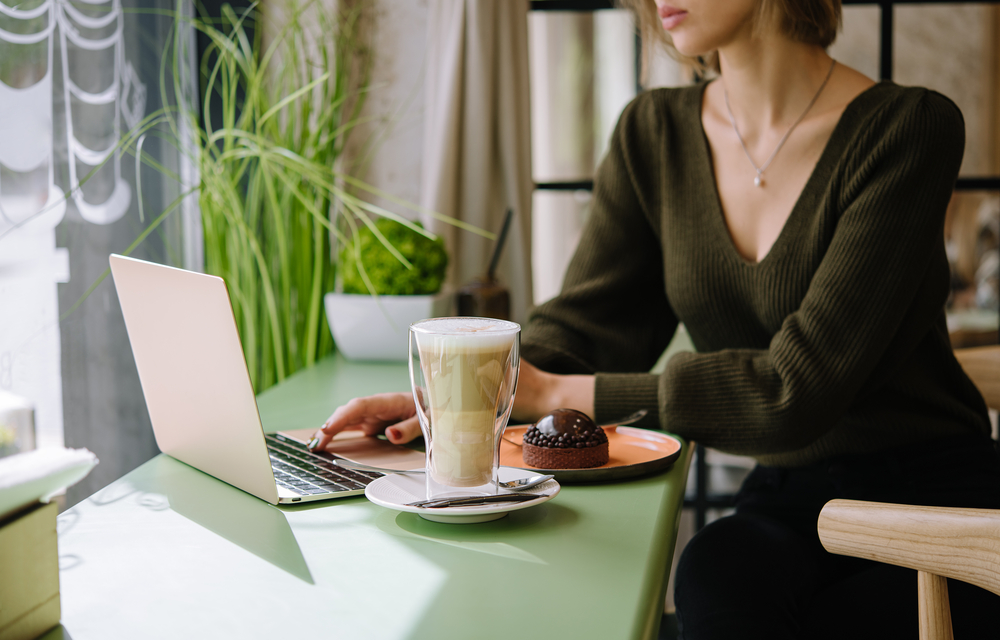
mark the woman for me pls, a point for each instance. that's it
(790, 214)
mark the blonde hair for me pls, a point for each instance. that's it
(808, 21)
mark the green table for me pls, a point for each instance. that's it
(169, 552)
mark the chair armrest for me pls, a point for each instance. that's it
(955, 543)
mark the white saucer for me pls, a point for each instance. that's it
(396, 490)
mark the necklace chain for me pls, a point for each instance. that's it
(759, 178)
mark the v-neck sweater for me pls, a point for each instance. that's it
(834, 343)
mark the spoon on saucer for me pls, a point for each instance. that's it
(513, 485)
(525, 483)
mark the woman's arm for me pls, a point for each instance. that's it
(395, 414)
(539, 392)
(612, 313)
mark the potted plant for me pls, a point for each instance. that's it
(390, 275)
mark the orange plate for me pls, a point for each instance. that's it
(633, 452)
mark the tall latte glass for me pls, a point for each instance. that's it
(464, 373)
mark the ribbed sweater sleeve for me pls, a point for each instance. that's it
(611, 314)
(854, 292)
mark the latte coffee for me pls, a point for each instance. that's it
(468, 368)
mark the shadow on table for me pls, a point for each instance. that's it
(58, 632)
(240, 518)
(498, 538)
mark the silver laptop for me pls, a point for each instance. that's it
(198, 391)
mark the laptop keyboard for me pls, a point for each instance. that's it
(308, 473)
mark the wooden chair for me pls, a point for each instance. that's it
(939, 542)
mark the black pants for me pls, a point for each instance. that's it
(762, 573)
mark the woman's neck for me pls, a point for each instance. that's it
(770, 81)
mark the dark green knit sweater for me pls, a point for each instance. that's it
(834, 343)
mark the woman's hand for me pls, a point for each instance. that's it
(394, 414)
(391, 413)
(539, 392)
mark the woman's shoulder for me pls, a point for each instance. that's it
(668, 102)
(663, 113)
(676, 99)
(901, 98)
(907, 141)
(889, 110)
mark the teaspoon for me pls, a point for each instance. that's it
(525, 483)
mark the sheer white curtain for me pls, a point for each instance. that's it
(74, 76)
(477, 142)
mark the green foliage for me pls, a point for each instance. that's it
(268, 178)
(388, 275)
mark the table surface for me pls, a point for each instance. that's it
(169, 552)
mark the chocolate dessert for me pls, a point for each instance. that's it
(565, 439)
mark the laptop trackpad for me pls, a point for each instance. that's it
(357, 447)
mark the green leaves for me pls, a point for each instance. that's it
(418, 269)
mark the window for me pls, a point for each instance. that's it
(74, 76)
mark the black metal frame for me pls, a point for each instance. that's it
(703, 501)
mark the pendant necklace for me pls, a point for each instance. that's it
(758, 181)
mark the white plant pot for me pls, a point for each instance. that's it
(368, 329)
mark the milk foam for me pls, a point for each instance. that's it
(484, 333)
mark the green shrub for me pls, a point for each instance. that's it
(388, 275)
